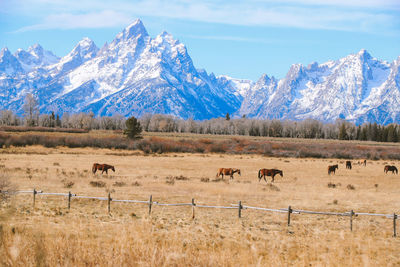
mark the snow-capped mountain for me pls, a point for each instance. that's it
(137, 74)
(9, 64)
(35, 57)
(133, 75)
(357, 88)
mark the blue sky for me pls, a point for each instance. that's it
(242, 39)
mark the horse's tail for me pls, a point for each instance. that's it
(94, 168)
(259, 174)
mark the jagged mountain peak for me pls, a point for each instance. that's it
(86, 42)
(134, 30)
(35, 57)
(264, 78)
(364, 53)
(36, 49)
(5, 52)
(167, 40)
(86, 48)
(83, 51)
(9, 64)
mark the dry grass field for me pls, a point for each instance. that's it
(86, 235)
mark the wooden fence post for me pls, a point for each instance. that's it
(394, 224)
(109, 202)
(150, 203)
(351, 220)
(289, 211)
(34, 197)
(69, 199)
(240, 209)
(193, 205)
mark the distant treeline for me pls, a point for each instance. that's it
(308, 128)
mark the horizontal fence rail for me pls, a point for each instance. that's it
(238, 206)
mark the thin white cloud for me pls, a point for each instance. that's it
(91, 20)
(343, 15)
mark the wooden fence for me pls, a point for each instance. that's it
(238, 206)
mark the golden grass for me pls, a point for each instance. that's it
(86, 234)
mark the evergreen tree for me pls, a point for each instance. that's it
(133, 128)
(374, 132)
(364, 134)
(52, 119)
(58, 121)
(358, 134)
(391, 133)
(342, 132)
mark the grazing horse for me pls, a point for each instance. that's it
(393, 169)
(227, 171)
(348, 164)
(364, 162)
(268, 172)
(332, 168)
(102, 167)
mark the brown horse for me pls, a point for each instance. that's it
(102, 167)
(332, 168)
(364, 162)
(348, 164)
(268, 172)
(393, 169)
(227, 171)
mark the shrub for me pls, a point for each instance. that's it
(136, 183)
(119, 184)
(181, 178)
(217, 148)
(351, 187)
(170, 180)
(68, 184)
(97, 183)
(331, 185)
(5, 186)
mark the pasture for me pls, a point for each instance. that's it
(50, 234)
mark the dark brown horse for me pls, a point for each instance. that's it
(393, 169)
(268, 172)
(348, 164)
(102, 167)
(227, 171)
(332, 168)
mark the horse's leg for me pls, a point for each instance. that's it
(273, 178)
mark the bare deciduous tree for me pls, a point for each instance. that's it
(31, 110)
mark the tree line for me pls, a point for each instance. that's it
(309, 128)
